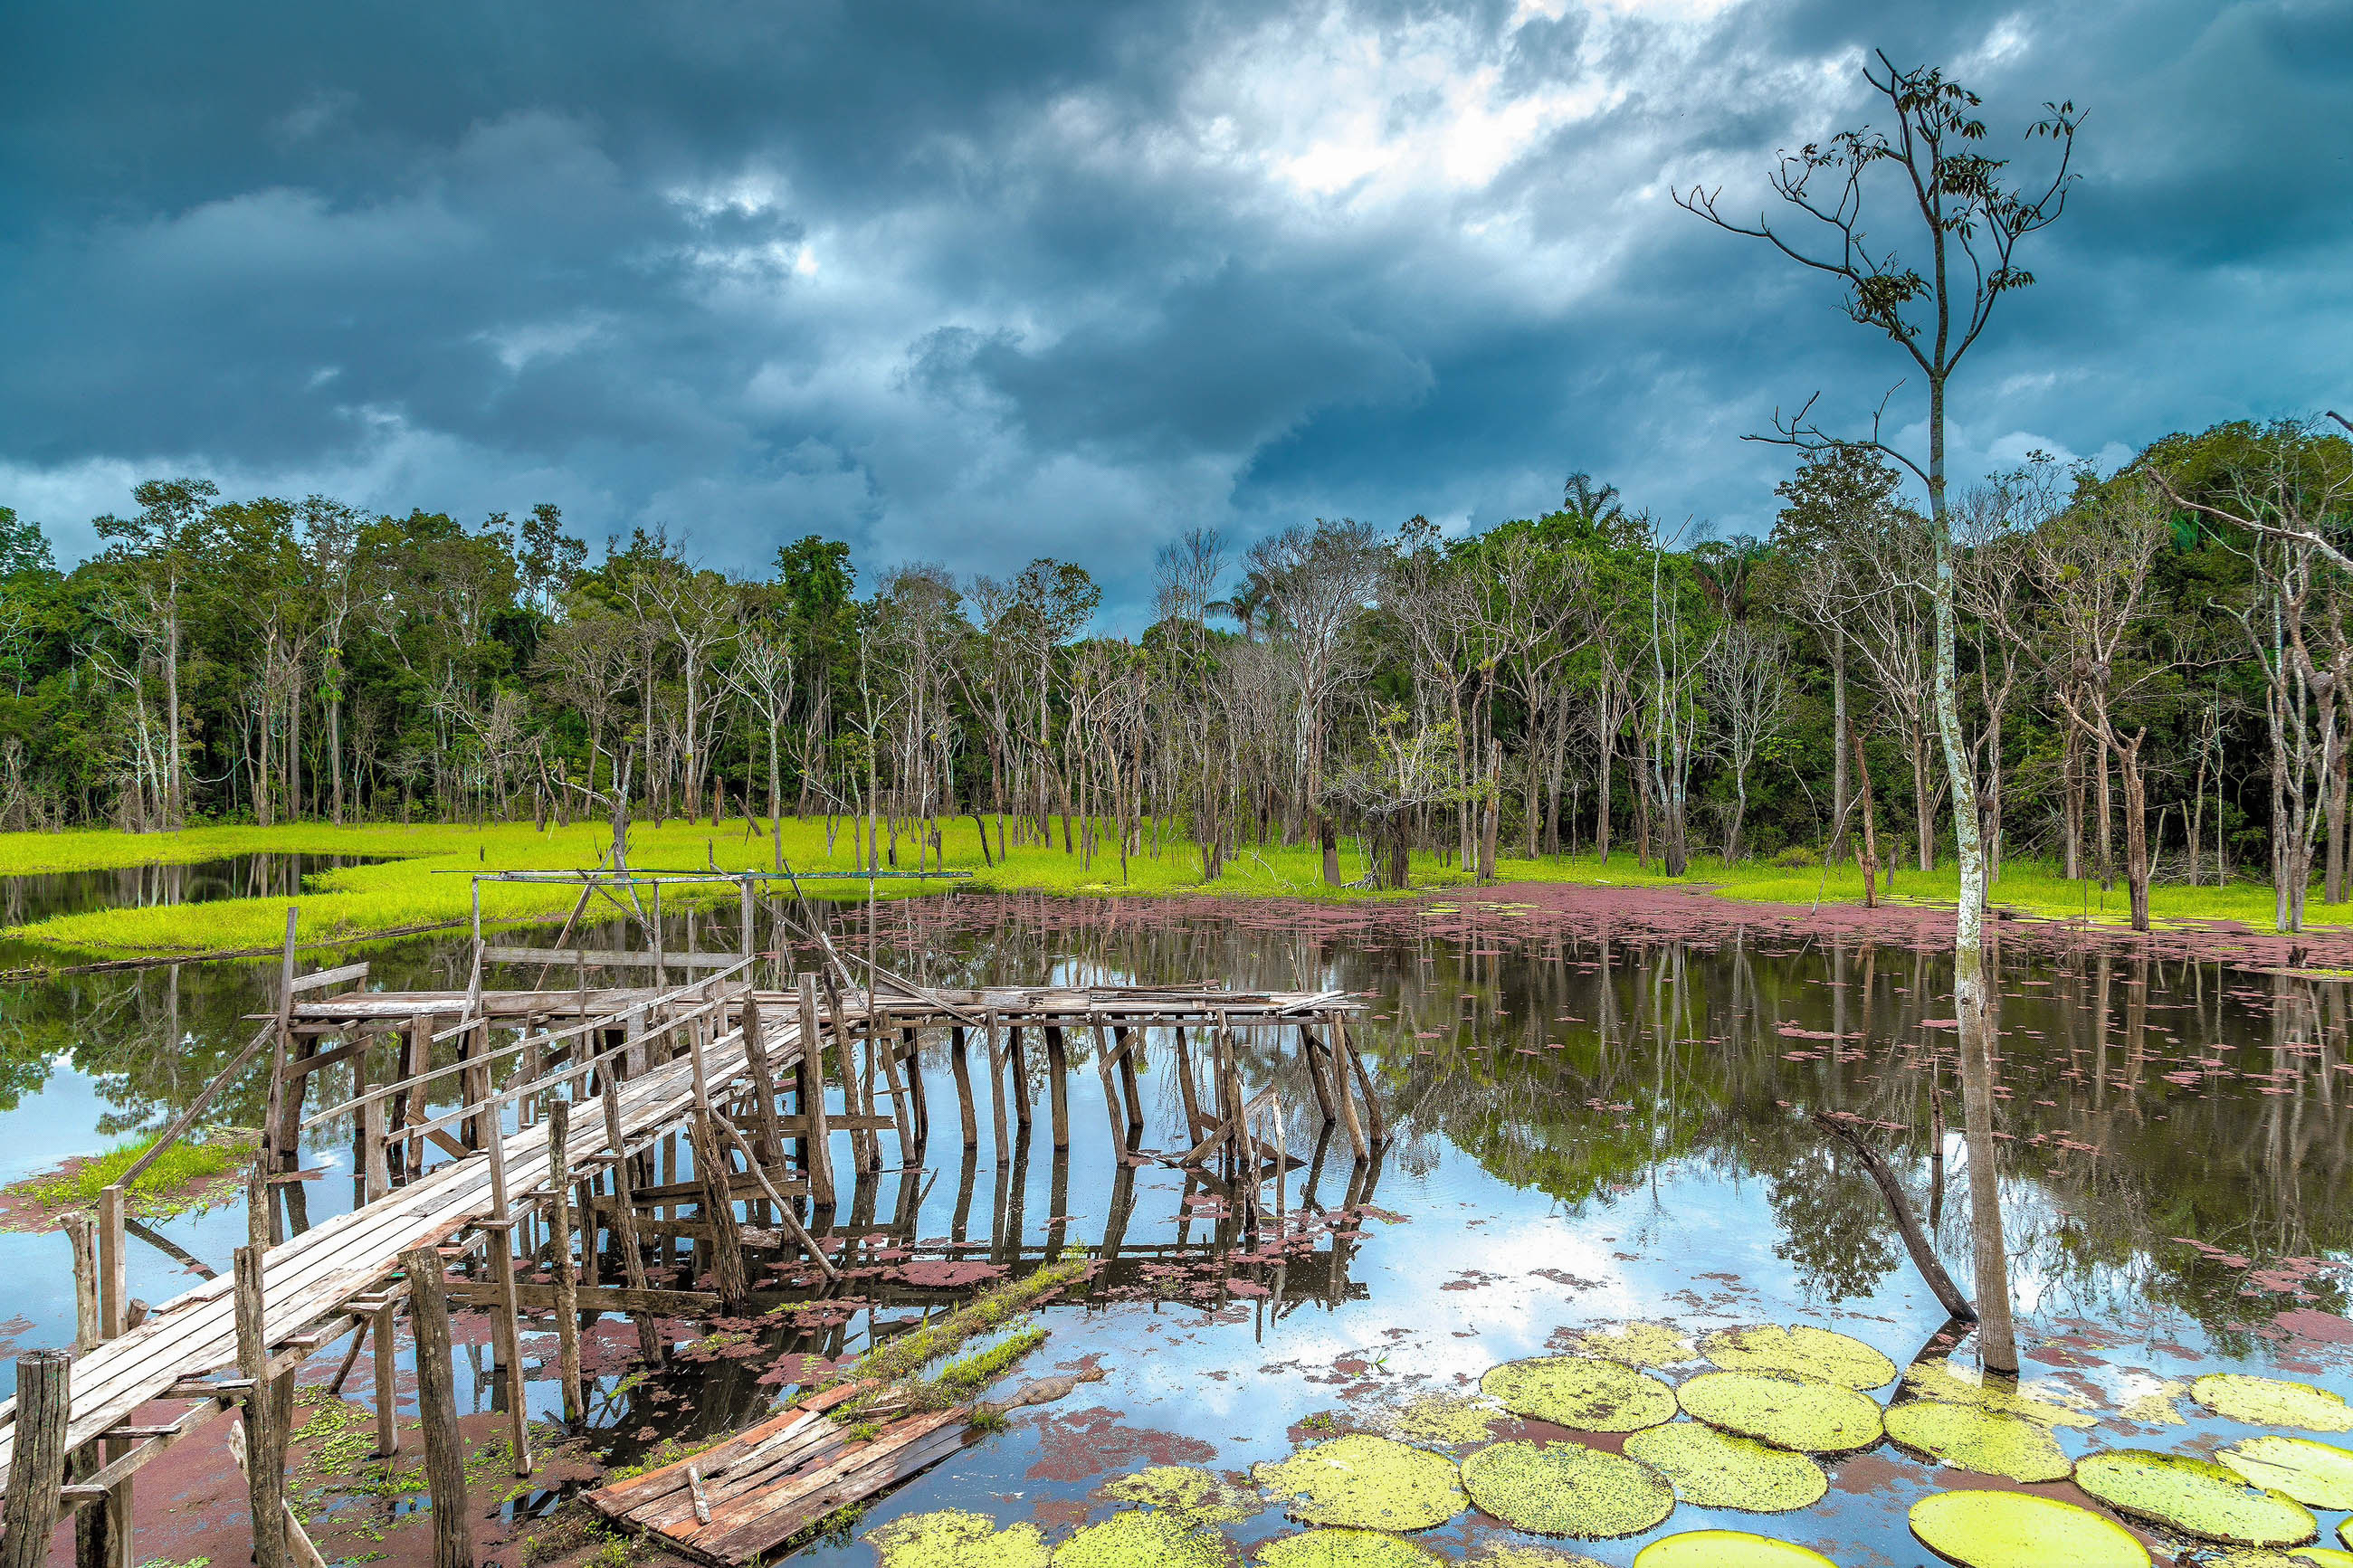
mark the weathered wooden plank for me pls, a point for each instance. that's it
(328, 977)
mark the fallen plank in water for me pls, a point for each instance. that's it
(742, 1499)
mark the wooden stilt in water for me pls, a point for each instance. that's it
(567, 1292)
(113, 1291)
(996, 1042)
(1110, 1092)
(625, 1224)
(1344, 1092)
(81, 1238)
(1311, 1058)
(506, 1334)
(755, 1061)
(436, 1405)
(1376, 1124)
(265, 1425)
(1017, 1063)
(911, 1064)
(387, 1380)
(36, 1473)
(1185, 1085)
(1058, 1084)
(1130, 1047)
(817, 1144)
(962, 1070)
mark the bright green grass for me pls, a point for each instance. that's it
(176, 1180)
(414, 887)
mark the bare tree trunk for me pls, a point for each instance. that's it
(1841, 786)
(2108, 811)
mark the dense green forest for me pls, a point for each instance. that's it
(2153, 677)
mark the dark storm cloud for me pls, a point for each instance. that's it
(972, 282)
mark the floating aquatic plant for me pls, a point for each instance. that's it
(2196, 1497)
(1642, 1344)
(1971, 1438)
(2156, 1408)
(2018, 1529)
(1140, 1540)
(1365, 1483)
(1938, 1379)
(2315, 1474)
(1503, 1555)
(1729, 1548)
(1803, 1349)
(1346, 1549)
(1784, 1409)
(955, 1538)
(1582, 1391)
(2272, 1402)
(1718, 1469)
(1447, 1418)
(1568, 1489)
(1185, 1490)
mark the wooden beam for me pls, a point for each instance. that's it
(324, 978)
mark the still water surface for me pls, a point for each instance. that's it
(1588, 1130)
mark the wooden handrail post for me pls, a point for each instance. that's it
(36, 1477)
(113, 1286)
(436, 1405)
(506, 1334)
(82, 1239)
(264, 1431)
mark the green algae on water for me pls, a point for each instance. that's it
(1716, 1470)
(1582, 1391)
(1365, 1483)
(1784, 1409)
(2195, 1496)
(1568, 1489)
(1971, 1438)
(2272, 1402)
(1140, 1540)
(1941, 1380)
(1803, 1349)
(2018, 1529)
(1729, 1548)
(1639, 1344)
(1346, 1549)
(2316, 1474)
(955, 1538)
(1187, 1490)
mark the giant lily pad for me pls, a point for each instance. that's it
(1639, 1344)
(1577, 1391)
(2196, 1497)
(1970, 1438)
(1346, 1549)
(1140, 1540)
(1447, 1419)
(2315, 1474)
(2272, 1402)
(2300, 1557)
(1185, 1490)
(1568, 1489)
(1505, 1555)
(1803, 1349)
(1938, 1379)
(1784, 1409)
(1363, 1482)
(2018, 1529)
(953, 1538)
(1715, 1469)
(1727, 1549)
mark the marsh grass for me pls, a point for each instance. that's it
(180, 1178)
(419, 880)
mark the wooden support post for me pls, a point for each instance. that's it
(1110, 1092)
(1017, 1062)
(1377, 1121)
(265, 1423)
(717, 1171)
(817, 1145)
(882, 1054)
(624, 1221)
(416, 1061)
(386, 1365)
(82, 1239)
(962, 1071)
(865, 1147)
(436, 1405)
(114, 1288)
(764, 1082)
(1130, 1047)
(1335, 1053)
(274, 1158)
(375, 1166)
(1057, 1085)
(36, 1474)
(996, 1042)
(506, 1334)
(910, 1063)
(567, 1292)
(1185, 1087)
(1311, 1058)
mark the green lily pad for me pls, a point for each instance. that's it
(1447, 1418)
(1938, 1379)
(2262, 1557)
(954, 1537)
(1185, 1490)
(1715, 1469)
(1803, 1349)
(2315, 1474)
(2018, 1529)
(1590, 1395)
(1568, 1489)
(2196, 1497)
(2156, 1408)
(1729, 1548)
(1346, 1549)
(1502, 1554)
(2272, 1402)
(1784, 1409)
(1140, 1540)
(1970, 1438)
(1365, 1483)
(1639, 1344)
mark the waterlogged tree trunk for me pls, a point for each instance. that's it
(2137, 856)
(1997, 1338)
(1841, 786)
